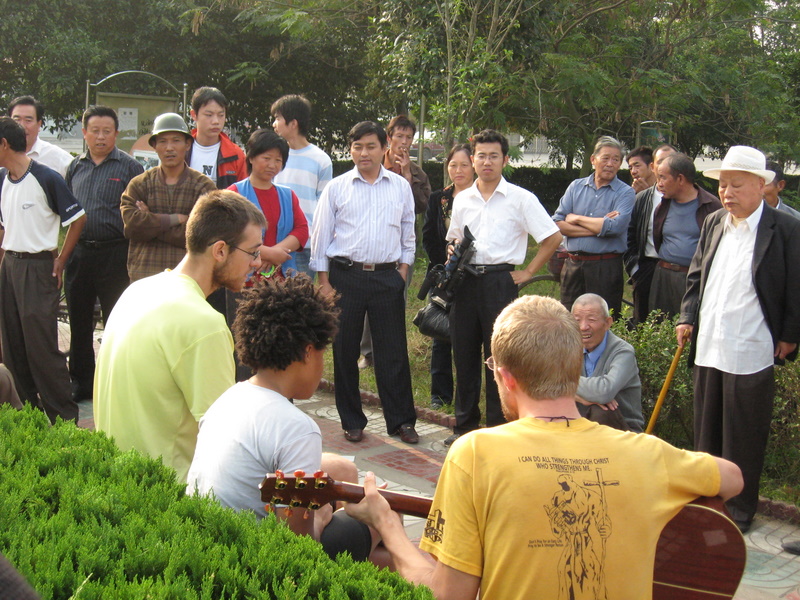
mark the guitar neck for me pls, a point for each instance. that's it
(400, 502)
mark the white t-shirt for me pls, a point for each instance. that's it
(248, 432)
(204, 159)
(32, 208)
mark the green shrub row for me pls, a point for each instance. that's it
(82, 520)
(655, 345)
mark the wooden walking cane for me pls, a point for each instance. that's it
(665, 388)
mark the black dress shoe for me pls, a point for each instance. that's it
(354, 435)
(407, 434)
(792, 547)
(437, 403)
(449, 441)
(744, 526)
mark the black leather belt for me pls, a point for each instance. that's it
(483, 269)
(40, 255)
(346, 263)
(95, 244)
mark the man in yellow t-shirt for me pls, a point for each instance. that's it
(549, 505)
(167, 355)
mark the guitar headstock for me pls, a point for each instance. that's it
(298, 490)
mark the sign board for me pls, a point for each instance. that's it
(654, 133)
(136, 114)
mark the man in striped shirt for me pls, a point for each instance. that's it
(362, 244)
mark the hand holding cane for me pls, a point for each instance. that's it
(665, 388)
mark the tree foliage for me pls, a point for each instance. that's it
(720, 71)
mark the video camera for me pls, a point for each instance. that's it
(445, 279)
(442, 281)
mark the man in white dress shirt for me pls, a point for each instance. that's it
(742, 309)
(500, 215)
(29, 112)
(362, 244)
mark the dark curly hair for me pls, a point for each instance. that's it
(277, 320)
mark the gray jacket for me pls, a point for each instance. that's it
(616, 377)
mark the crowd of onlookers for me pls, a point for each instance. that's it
(218, 244)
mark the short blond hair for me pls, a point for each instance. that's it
(538, 341)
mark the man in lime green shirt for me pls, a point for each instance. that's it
(166, 353)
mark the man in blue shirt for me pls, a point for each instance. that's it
(362, 244)
(593, 216)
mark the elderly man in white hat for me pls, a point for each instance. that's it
(742, 312)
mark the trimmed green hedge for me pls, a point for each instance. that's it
(82, 520)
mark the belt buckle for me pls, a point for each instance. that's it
(481, 269)
(370, 267)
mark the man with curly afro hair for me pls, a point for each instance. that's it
(282, 330)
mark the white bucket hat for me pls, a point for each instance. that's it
(743, 158)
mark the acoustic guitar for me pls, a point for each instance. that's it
(700, 554)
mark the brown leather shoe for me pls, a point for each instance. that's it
(354, 435)
(407, 434)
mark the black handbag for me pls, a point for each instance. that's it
(433, 321)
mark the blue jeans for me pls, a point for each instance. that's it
(302, 258)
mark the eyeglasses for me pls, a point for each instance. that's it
(489, 362)
(254, 255)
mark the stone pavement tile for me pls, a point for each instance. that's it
(417, 462)
(86, 414)
(770, 572)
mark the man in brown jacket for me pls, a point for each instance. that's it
(157, 203)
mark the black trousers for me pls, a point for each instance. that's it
(381, 296)
(640, 283)
(442, 371)
(601, 277)
(92, 273)
(732, 416)
(29, 333)
(667, 290)
(478, 302)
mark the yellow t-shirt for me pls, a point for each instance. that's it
(561, 510)
(166, 356)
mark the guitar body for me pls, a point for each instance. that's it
(700, 554)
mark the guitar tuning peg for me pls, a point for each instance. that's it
(288, 512)
(279, 474)
(314, 505)
(318, 474)
(305, 515)
(269, 508)
(299, 473)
